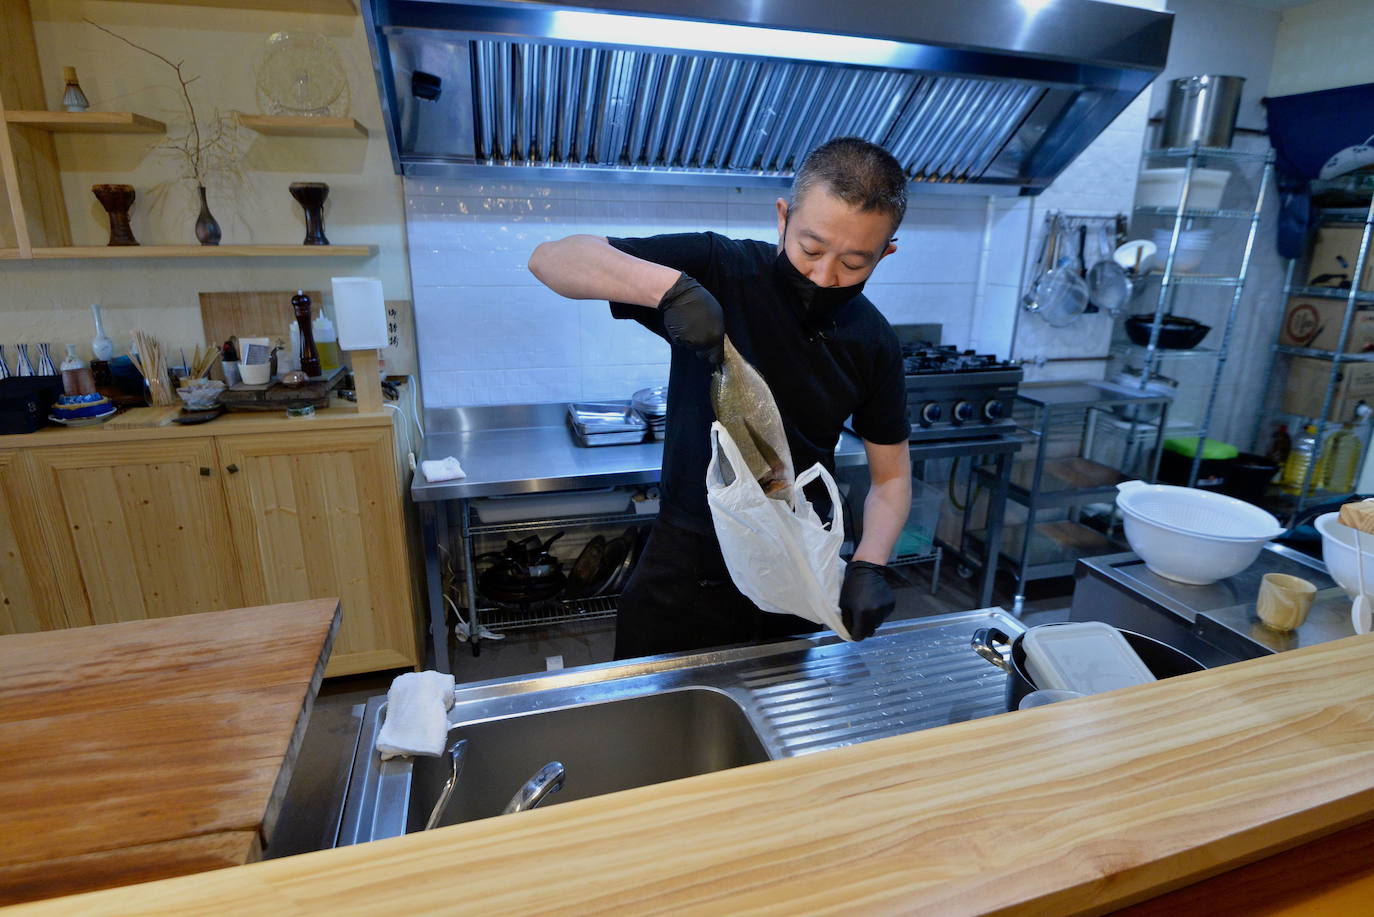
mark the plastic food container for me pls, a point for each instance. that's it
(1192, 536)
(1089, 657)
(1163, 187)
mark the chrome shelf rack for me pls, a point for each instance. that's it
(1151, 354)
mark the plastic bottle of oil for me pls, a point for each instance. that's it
(1340, 461)
(1299, 458)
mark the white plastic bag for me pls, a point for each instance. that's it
(779, 554)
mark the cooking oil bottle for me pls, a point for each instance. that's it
(1299, 458)
(1340, 461)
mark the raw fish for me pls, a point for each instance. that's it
(745, 407)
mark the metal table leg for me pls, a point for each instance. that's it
(997, 509)
(433, 524)
(469, 578)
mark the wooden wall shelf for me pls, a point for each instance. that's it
(206, 251)
(337, 7)
(303, 126)
(9, 254)
(87, 122)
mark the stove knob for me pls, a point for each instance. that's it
(930, 413)
(994, 410)
(963, 411)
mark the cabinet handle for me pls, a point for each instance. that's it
(204, 472)
(232, 469)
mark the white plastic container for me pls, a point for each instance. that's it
(1163, 187)
(1089, 657)
(1338, 553)
(522, 507)
(1192, 536)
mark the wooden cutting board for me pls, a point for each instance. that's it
(151, 749)
(251, 314)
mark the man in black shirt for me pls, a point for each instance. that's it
(795, 311)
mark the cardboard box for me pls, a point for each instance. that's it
(1316, 323)
(1334, 255)
(1307, 379)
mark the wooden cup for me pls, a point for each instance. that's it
(1284, 601)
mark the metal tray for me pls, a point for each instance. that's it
(624, 438)
(598, 417)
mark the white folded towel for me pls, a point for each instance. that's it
(444, 469)
(415, 721)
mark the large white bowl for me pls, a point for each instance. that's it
(1338, 552)
(1193, 536)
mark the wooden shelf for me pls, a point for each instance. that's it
(338, 7)
(206, 251)
(9, 254)
(87, 122)
(302, 126)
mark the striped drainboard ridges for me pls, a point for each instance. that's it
(910, 681)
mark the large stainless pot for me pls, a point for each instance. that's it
(1160, 658)
(1202, 108)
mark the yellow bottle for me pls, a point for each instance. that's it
(1295, 468)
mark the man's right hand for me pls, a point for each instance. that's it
(694, 319)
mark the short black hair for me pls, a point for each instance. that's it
(862, 174)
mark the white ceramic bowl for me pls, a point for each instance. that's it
(1338, 553)
(1193, 536)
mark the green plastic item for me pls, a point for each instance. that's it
(1212, 450)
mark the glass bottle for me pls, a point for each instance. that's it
(1281, 445)
(1296, 465)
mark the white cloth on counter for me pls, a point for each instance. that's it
(416, 721)
(444, 469)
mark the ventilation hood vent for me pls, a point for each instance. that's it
(989, 96)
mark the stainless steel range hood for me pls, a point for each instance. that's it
(989, 96)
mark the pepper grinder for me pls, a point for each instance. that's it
(310, 358)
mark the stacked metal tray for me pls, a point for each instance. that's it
(606, 423)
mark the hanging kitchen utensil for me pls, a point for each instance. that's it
(1062, 294)
(1108, 286)
(1033, 298)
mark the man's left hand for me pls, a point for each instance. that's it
(866, 598)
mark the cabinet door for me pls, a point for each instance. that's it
(316, 514)
(136, 530)
(28, 598)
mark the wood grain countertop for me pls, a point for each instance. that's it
(339, 415)
(1079, 807)
(148, 749)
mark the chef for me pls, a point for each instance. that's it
(796, 311)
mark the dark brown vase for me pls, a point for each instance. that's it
(310, 195)
(207, 228)
(117, 199)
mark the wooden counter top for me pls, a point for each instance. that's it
(339, 414)
(1083, 806)
(147, 749)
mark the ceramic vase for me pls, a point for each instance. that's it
(4, 364)
(207, 228)
(45, 364)
(117, 199)
(311, 196)
(23, 367)
(102, 348)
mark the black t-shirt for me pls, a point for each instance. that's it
(821, 368)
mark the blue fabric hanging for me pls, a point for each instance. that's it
(1307, 131)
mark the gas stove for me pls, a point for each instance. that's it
(957, 394)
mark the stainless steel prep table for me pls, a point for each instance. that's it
(523, 449)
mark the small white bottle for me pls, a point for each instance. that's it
(102, 348)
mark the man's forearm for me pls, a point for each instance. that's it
(588, 267)
(885, 512)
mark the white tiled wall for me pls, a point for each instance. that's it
(489, 333)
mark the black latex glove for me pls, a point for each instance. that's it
(866, 597)
(694, 319)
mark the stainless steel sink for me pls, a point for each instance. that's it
(627, 724)
(605, 747)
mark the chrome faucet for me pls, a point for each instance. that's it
(457, 753)
(548, 781)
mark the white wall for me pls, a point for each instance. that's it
(1323, 45)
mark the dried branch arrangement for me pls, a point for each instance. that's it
(202, 151)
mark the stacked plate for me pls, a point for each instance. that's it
(652, 403)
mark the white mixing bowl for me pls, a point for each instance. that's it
(1338, 552)
(1192, 536)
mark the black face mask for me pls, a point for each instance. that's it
(819, 302)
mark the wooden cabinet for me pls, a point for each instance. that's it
(136, 530)
(127, 525)
(316, 514)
